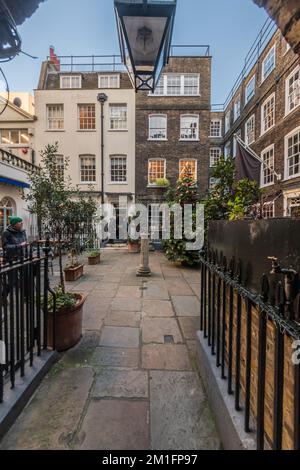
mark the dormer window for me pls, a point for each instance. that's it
(70, 81)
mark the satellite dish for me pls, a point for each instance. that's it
(10, 41)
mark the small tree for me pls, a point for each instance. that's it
(230, 199)
(186, 192)
(59, 206)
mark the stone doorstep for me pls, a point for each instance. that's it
(230, 422)
(15, 400)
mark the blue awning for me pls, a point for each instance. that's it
(20, 184)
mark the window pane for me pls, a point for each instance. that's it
(174, 85)
(118, 169)
(5, 137)
(191, 85)
(294, 154)
(268, 117)
(293, 91)
(189, 127)
(157, 127)
(188, 168)
(87, 116)
(215, 155)
(216, 128)
(269, 63)
(156, 170)
(55, 117)
(87, 169)
(250, 130)
(267, 169)
(118, 117)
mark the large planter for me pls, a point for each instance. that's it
(68, 326)
(72, 274)
(93, 260)
(134, 247)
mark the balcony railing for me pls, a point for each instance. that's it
(17, 162)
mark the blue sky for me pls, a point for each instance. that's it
(88, 27)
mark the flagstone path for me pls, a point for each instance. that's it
(132, 382)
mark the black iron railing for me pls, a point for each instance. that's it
(228, 310)
(24, 292)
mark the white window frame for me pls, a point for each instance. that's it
(234, 147)
(286, 157)
(287, 95)
(221, 133)
(165, 169)
(164, 87)
(197, 119)
(212, 162)
(70, 77)
(194, 160)
(78, 119)
(109, 78)
(264, 168)
(267, 206)
(120, 156)
(165, 116)
(81, 157)
(263, 129)
(227, 149)
(120, 105)
(263, 66)
(227, 121)
(250, 82)
(247, 141)
(63, 117)
(287, 195)
(10, 144)
(237, 108)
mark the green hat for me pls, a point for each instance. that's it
(14, 220)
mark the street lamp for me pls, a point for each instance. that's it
(145, 31)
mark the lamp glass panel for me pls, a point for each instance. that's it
(145, 35)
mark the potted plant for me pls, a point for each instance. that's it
(162, 182)
(73, 269)
(61, 210)
(133, 236)
(94, 257)
(68, 319)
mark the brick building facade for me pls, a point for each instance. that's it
(172, 127)
(264, 110)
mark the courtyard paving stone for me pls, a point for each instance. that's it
(131, 319)
(189, 327)
(186, 306)
(119, 336)
(165, 356)
(52, 416)
(116, 425)
(178, 287)
(157, 308)
(171, 423)
(118, 383)
(156, 291)
(154, 330)
(129, 292)
(129, 305)
(116, 357)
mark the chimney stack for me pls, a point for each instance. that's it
(54, 59)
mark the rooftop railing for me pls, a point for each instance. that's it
(265, 35)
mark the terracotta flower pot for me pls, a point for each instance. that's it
(68, 326)
(72, 274)
(93, 260)
(134, 247)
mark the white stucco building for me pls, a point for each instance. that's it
(69, 113)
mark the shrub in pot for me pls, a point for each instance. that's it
(94, 257)
(68, 319)
(73, 269)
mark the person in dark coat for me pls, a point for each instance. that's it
(14, 239)
(14, 242)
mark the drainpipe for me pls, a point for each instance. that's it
(102, 98)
